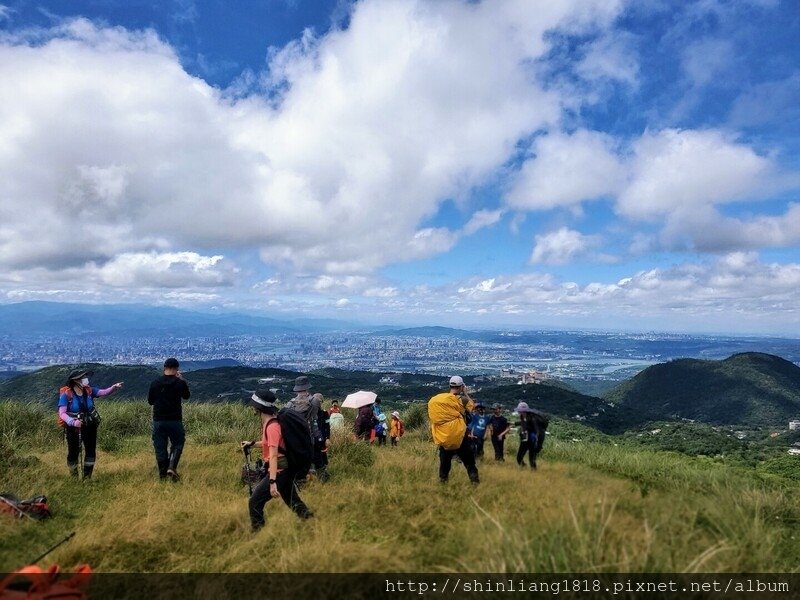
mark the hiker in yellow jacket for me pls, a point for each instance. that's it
(448, 413)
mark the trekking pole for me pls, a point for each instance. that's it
(13, 506)
(80, 448)
(51, 548)
(246, 452)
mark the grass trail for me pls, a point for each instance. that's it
(588, 508)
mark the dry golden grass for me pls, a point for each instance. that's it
(385, 511)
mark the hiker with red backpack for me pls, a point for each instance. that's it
(80, 419)
(287, 449)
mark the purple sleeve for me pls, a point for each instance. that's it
(62, 412)
(98, 393)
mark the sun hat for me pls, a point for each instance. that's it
(523, 407)
(301, 384)
(456, 381)
(78, 374)
(381, 417)
(263, 400)
(395, 414)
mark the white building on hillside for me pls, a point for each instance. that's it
(794, 425)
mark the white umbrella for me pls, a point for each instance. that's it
(359, 399)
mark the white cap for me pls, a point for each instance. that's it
(455, 380)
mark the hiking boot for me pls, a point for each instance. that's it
(533, 465)
(474, 479)
(323, 475)
(442, 480)
(73, 471)
(302, 511)
(173, 474)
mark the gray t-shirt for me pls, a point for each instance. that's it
(309, 407)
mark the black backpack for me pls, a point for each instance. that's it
(297, 445)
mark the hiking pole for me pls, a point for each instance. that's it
(13, 506)
(80, 448)
(246, 452)
(51, 548)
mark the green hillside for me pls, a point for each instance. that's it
(592, 506)
(749, 388)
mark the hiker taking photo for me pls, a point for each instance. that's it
(80, 419)
(448, 413)
(169, 436)
(281, 473)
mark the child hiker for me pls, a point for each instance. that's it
(396, 428)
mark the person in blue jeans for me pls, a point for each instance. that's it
(169, 436)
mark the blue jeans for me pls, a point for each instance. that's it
(164, 433)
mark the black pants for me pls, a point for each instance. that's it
(76, 435)
(497, 444)
(394, 441)
(382, 440)
(168, 440)
(467, 456)
(530, 448)
(477, 446)
(287, 490)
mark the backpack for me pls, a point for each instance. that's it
(297, 445)
(402, 428)
(67, 390)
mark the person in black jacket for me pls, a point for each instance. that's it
(165, 397)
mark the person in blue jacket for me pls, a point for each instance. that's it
(78, 415)
(478, 423)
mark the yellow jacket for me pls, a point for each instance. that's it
(446, 413)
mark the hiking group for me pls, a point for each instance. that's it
(295, 439)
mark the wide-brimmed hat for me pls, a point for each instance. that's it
(301, 384)
(263, 400)
(395, 414)
(523, 407)
(78, 374)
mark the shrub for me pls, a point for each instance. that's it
(416, 417)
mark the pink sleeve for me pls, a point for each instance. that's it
(105, 392)
(62, 413)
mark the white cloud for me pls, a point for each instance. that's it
(566, 170)
(481, 219)
(561, 246)
(733, 292)
(376, 125)
(673, 170)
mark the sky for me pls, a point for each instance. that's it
(611, 164)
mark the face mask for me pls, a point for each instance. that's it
(85, 381)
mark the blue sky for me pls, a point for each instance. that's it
(508, 163)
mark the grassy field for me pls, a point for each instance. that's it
(591, 506)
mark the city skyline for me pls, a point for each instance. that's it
(611, 165)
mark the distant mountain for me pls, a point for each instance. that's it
(559, 401)
(56, 318)
(439, 332)
(749, 389)
(223, 384)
